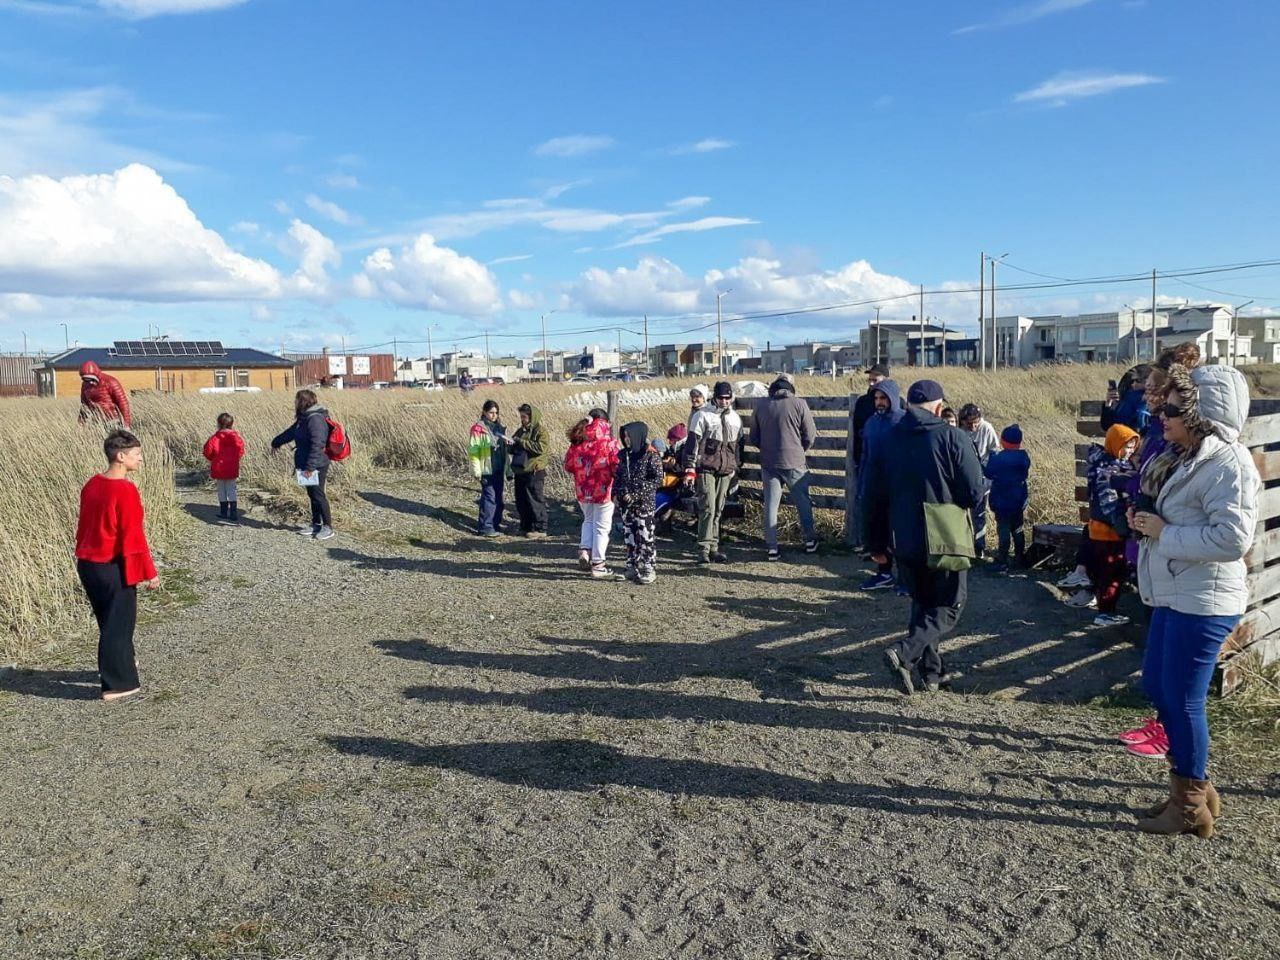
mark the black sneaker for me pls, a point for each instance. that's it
(719, 557)
(811, 546)
(774, 554)
(900, 672)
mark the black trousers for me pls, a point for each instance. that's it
(115, 607)
(319, 500)
(530, 503)
(937, 600)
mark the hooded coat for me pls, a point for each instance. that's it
(486, 449)
(1008, 472)
(592, 464)
(1210, 507)
(224, 451)
(530, 445)
(925, 461)
(783, 429)
(103, 396)
(639, 473)
(1109, 478)
(309, 434)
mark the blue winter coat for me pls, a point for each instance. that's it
(875, 432)
(1008, 471)
(308, 434)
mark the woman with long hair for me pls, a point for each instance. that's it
(309, 433)
(487, 451)
(1201, 498)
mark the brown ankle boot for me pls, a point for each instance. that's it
(1213, 801)
(1187, 811)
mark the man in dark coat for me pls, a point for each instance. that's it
(864, 408)
(926, 461)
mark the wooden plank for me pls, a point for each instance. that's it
(1267, 462)
(1084, 513)
(1254, 625)
(831, 423)
(820, 501)
(1082, 450)
(1090, 428)
(1260, 406)
(1269, 504)
(1265, 547)
(815, 403)
(1090, 408)
(1082, 469)
(1262, 430)
(1264, 585)
(829, 443)
(814, 460)
(1082, 493)
(820, 481)
(851, 479)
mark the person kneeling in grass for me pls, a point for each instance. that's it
(112, 558)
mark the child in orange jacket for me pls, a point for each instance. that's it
(224, 451)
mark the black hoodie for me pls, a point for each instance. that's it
(925, 461)
(639, 473)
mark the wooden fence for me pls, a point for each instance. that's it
(830, 460)
(1258, 634)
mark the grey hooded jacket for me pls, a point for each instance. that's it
(1210, 506)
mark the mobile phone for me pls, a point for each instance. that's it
(1111, 384)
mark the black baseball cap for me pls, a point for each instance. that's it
(882, 369)
(925, 391)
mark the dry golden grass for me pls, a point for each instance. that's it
(49, 457)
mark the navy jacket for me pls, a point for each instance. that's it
(925, 461)
(308, 434)
(1008, 471)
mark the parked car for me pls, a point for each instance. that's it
(582, 378)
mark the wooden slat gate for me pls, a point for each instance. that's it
(832, 486)
(1258, 634)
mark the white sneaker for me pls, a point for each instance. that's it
(604, 573)
(1082, 600)
(1075, 579)
(1110, 620)
(647, 576)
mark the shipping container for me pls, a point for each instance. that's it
(18, 374)
(357, 370)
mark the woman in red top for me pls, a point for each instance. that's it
(112, 558)
(223, 451)
(592, 459)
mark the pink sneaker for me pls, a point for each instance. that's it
(1156, 747)
(1143, 732)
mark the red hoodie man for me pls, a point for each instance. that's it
(102, 396)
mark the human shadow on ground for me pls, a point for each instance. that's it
(626, 703)
(53, 684)
(416, 508)
(442, 567)
(580, 766)
(207, 513)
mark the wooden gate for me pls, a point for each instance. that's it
(1258, 634)
(833, 478)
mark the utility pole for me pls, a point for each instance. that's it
(944, 341)
(66, 338)
(1153, 315)
(395, 359)
(647, 367)
(924, 357)
(719, 334)
(546, 359)
(1235, 330)
(486, 354)
(982, 317)
(877, 359)
(431, 357)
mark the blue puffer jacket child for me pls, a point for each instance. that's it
(1008, 471)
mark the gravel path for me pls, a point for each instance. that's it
(420, 744)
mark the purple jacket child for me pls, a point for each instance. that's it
(1153, 443)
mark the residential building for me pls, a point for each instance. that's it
(1264, 336)
(797, 358)
(414, 371)
(344, 369)
(838, 358)
(169, 366)
(899, 344)
(592, 360)
(695, 359)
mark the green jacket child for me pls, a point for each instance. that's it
(530, 444)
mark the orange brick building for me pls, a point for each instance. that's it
(168, 366)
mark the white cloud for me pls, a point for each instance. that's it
(282, 208)
(429, 277)
(315, 253)
(692, 226)
(522, 300)
(708, 145)
(1025, 14)
(342, 181)
(688, 203)
(1069, 85)
(573, 146)
(329, 209)
(247, 227)
(124, 235)
(142, 9)
(658, 286)
(515, 259)
(59, 134)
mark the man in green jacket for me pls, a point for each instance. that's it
(529, 449)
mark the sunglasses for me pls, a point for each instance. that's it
(1171, 411)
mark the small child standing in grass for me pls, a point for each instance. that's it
(224, 451)
(635, 487)
(1008, 471)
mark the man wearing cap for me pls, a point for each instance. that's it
(711, 460)
(102, 396)
(926, 461)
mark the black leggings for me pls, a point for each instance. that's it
(319, 500)
(115, 607)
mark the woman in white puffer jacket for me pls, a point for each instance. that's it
(1191, 570)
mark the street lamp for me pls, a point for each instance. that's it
(1235, 315)
(546, 361)
(720, 331)
(995, 327)
(66, 337)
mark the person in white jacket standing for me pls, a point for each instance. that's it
(1197, 513)
(711, 460)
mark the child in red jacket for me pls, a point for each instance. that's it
(223, 451)
(112, 559)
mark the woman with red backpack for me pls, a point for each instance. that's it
(309, 434)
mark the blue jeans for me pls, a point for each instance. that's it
(797, 482)
(1182, 650)
(490, 503)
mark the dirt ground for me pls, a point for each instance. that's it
(414, 743)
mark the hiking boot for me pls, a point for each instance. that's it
(324, 533)
(1110, 620)
(1186, 812)
(811, 546)
(1082, 600)
(877, 581)
(1212, 801)
(1143, 732)
(719, 556)
(1155, 747)
(1075, 580)
(773, 554)
(899, 671)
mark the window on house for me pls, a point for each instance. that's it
(706, 358)
(242, 378)
(220, 378)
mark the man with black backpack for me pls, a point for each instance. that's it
(710, 463)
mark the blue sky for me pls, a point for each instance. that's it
(287, 172)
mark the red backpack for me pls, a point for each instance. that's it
(338, 446)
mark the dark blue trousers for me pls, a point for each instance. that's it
(490, 503)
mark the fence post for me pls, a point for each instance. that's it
(612, 406)
(850, 481)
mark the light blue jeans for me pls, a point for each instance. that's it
(797, 482)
